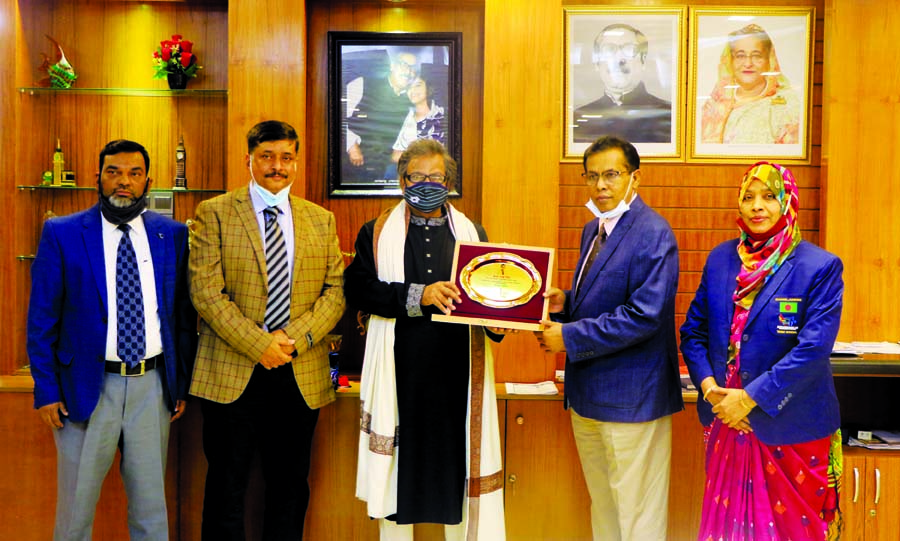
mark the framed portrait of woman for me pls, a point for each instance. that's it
(623, 76)
(750, 84)
(385, 90)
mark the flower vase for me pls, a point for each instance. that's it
(177, 80)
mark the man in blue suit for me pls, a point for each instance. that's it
(111, 340)
(617, 327)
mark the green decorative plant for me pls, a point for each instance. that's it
(175, 56)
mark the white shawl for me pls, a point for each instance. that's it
(377, 466)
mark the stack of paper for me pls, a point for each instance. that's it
(887, 348)
(544, 387)
(881, 439)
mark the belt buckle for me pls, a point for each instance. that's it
(124, 370)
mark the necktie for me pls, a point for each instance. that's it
(278, 307)
(131, 343)
(599, 241)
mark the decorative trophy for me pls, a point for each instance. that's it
(180, 158)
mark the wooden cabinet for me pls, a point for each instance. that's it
(546, 497)
(870, 500)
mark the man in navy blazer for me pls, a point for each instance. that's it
(617, 327)
(96, 395)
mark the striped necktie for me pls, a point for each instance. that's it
(599, 241)
(278, 307)
(131, 342)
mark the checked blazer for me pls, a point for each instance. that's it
(229, 289)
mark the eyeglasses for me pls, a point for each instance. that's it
(607, 50)
(268, 158)
(419, 177)
(609, 177)
(755, 57)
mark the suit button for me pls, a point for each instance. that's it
(745, 338)
(780, 406)
(745, 375)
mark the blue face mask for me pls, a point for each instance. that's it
(426, 196)
(270, 199)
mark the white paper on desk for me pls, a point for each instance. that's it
(544, 387)
(844, 348)
(873, 444)
(888, 348)
(886, 436)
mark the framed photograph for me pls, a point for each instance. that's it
(750, 84)
(624, 76)
(385, 90)
(501, 285)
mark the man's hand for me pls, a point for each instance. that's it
(356, 155)
(557, 299)
(49, 414)
(279, 351)
(442, 295)
(180, 406)
(551, 338)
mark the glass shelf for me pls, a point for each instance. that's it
(94, 188)
(145, 92)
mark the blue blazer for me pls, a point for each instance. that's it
(621, 353)
(67, 314)
(786, 345)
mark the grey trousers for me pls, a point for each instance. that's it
(133, 410)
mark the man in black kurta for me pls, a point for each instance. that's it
(431, 359)
(432, 363)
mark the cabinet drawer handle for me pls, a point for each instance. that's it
(520, 420)
(855, 484)
(877, 485)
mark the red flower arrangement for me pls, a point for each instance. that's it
(175, 56)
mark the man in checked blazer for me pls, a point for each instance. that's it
(261, 387)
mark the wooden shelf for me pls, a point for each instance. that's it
(143, 92)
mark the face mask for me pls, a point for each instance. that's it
(269, 199)
(620, 209)
(426, 196)
(122, 215)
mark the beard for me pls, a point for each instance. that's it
(121, 202)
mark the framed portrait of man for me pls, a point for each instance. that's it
(750, 84)
(623, 76)
(385, 90)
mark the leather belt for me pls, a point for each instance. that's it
(116, 367)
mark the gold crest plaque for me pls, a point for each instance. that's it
(500, 285)
(500, 280)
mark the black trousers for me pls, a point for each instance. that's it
(270, 416)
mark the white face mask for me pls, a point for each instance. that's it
(620, 209)
(269, 199)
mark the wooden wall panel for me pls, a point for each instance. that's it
(860, 151)
(10, 314)
(266, 77)
(522, 90)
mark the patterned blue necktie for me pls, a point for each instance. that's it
(278, 307)
(131, 343)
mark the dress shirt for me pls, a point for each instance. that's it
(111, 236)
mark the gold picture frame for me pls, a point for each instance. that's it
(730, 119)
(605, 49)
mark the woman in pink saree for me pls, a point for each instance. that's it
(757, 341)
(752, 102)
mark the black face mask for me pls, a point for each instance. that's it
(120, 215)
